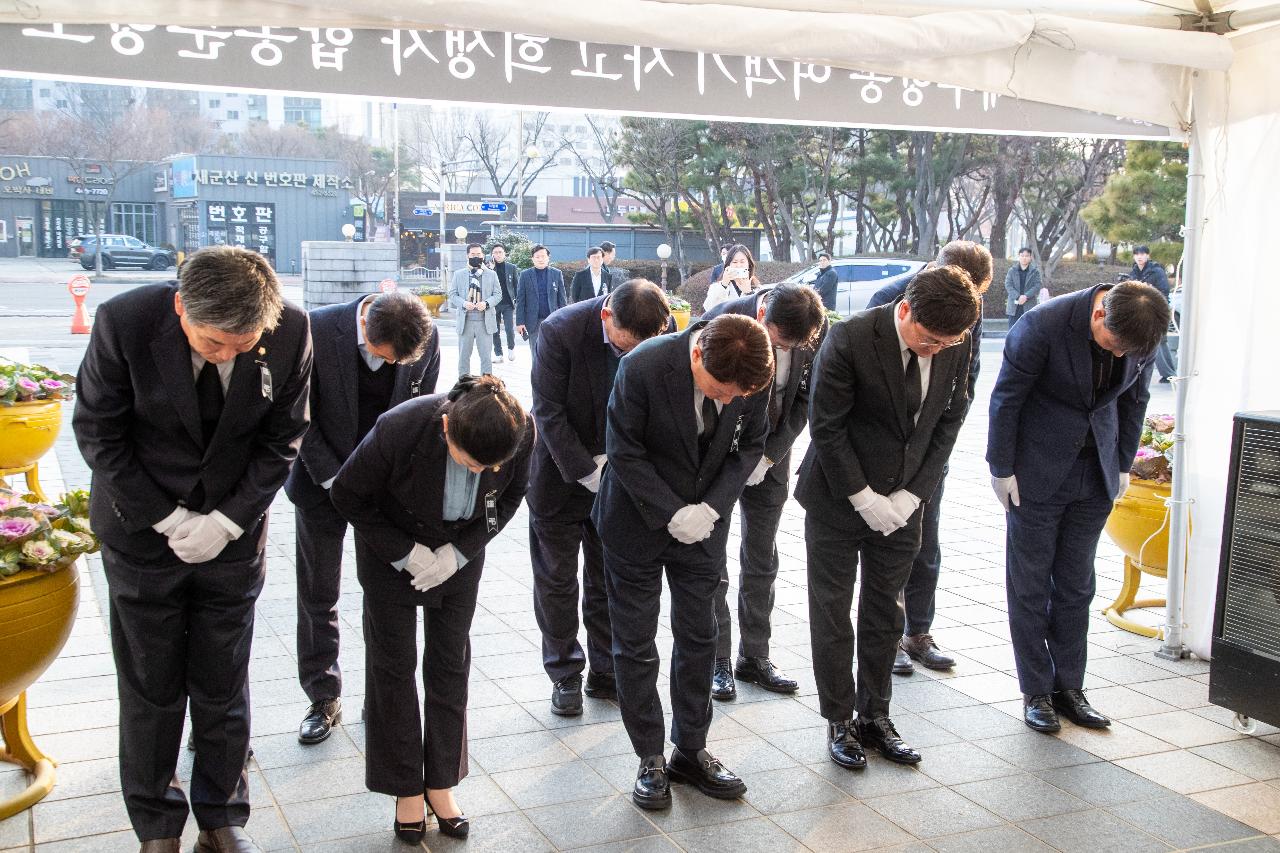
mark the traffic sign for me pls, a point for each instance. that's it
(79, 285)
(387, 285)
(499, 206)
(423, 211)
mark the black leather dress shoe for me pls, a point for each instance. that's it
(601, 685)
(843, 745)
(454, 827)
(1073, 705)
(566, 697)
(652, 789)
(722, 685)
(922, 648)
(879, 732)
(1038, 713)
(225, 839)
(320, 720)
(704, 771)
(761, 671)
(161, 845)
(902, 664)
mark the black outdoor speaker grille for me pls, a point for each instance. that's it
(1251, 611)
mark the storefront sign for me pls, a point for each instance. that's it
(474, 68)
(12, 171)
(249, 225)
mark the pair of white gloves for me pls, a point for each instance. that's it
(197, 538)
(692, 523)
(885, 514)
(592, 480)
(429, 568)
(1006, 489)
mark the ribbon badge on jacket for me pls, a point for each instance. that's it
(491, 510)
(804, 376)
(264, 373)
(737, 433)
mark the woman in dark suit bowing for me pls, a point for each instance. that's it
(426, 490)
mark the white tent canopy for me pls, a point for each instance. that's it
(1122, 57)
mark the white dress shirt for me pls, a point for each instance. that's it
(925, 362)
(374, 361)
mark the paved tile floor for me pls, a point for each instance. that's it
(1170, 774)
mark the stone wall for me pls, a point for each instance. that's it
(335, 272)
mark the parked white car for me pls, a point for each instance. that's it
(860, 278)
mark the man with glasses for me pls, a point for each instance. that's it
(889, 397)
(793, 317)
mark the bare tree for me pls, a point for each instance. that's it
(501, 157)
(604, 171)
(290, 140)
(434, 137)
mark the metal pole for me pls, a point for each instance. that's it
(444, 269)
(520, 154)
(395, 174)
(1179, 501)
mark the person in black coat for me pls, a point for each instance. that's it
(685, 430)
(370, 354)
(572, 377)
(436, 479)
(1150, 272)
(192, 402)
(888, 401)
(921, 591)
(539, 291)
(827, 283)
(793, 316)
(1066, 418)
(508, 274)
(592, 280)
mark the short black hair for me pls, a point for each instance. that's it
(1026, 249)
(640, 307)
(485, 420)
(971, 257)
(1137, 314)
(1142, 249)
(401, 321)
(607, 246)
(796, 311)
(943, 300)
(539, 248)
(594, 250)
(822, 255)
(502, 246)
(471, 246)
(736, 350)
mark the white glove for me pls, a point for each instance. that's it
(200, 538)
(904, 502)
(762, 468)
(170, 522)
(592, 480)
(877, 511)
(1124, 485)
(430, 568)
(692, 523)
(1006, 489)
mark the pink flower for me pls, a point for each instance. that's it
(39, 552)
(28, 384)
(16, 528)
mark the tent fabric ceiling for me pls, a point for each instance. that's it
(1119, 57)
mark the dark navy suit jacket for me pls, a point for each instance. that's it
(795, 401)
(893, 292)
(527, 297)
(1043, 405)
(334, 416)
(654, 466)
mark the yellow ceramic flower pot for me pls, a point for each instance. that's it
(27, 431)
(682, 319)
(433, 301)
(1139, 525)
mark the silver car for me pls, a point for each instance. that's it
(860, 278)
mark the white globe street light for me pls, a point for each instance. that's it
(348, 231)
(460, 233)
(664, 252)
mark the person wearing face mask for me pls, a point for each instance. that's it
(474, 294)
(738, 278)
(430, 486)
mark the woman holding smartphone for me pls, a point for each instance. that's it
(738, 278)
(428, 487)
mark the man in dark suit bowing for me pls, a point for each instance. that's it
(1066, 417)
(887, 404)
(371, 354)
(794, 319)
(572, 377)
(685, 430)
(592, 280)
(192, 405)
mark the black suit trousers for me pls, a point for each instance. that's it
(320, 530)
(635, 593)
(408, 749)
(760, 512)
(1050, 581)
(922, 587)
(554, 542)
(182, 633)
(834, 554)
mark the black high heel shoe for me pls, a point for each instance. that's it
(454, 827)
(410, 833)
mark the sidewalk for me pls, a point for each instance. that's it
(1170, 774)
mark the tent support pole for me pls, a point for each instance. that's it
(1180, 503)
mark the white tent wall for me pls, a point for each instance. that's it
(1237, 297)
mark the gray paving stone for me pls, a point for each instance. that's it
(1094, 831)
(999, 839)
(1182, 822)
(1034, 751)
(954, 763)
(789, 790)
(974, 722)
(510, 832)
(1103, 784)
(879, 779)
(552, 784)
(335, 818)
(1253, 757)
(690, 808)
(320, 780)
(516, 752)
(759, 835)
(648, 844)
(580, 824)
(933, 812)
(842, 829)
(1021, 797)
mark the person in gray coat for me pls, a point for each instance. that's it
(1022, 283)
(473, 294)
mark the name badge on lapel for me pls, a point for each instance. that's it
(804, 376)
(737, 434)
(491, 510)
(264, 374)
(415, 386)
(951, 393)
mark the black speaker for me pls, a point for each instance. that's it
(1244, 675)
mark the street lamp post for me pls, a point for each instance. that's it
(444, 172)
(529, 153)
(664, 252)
